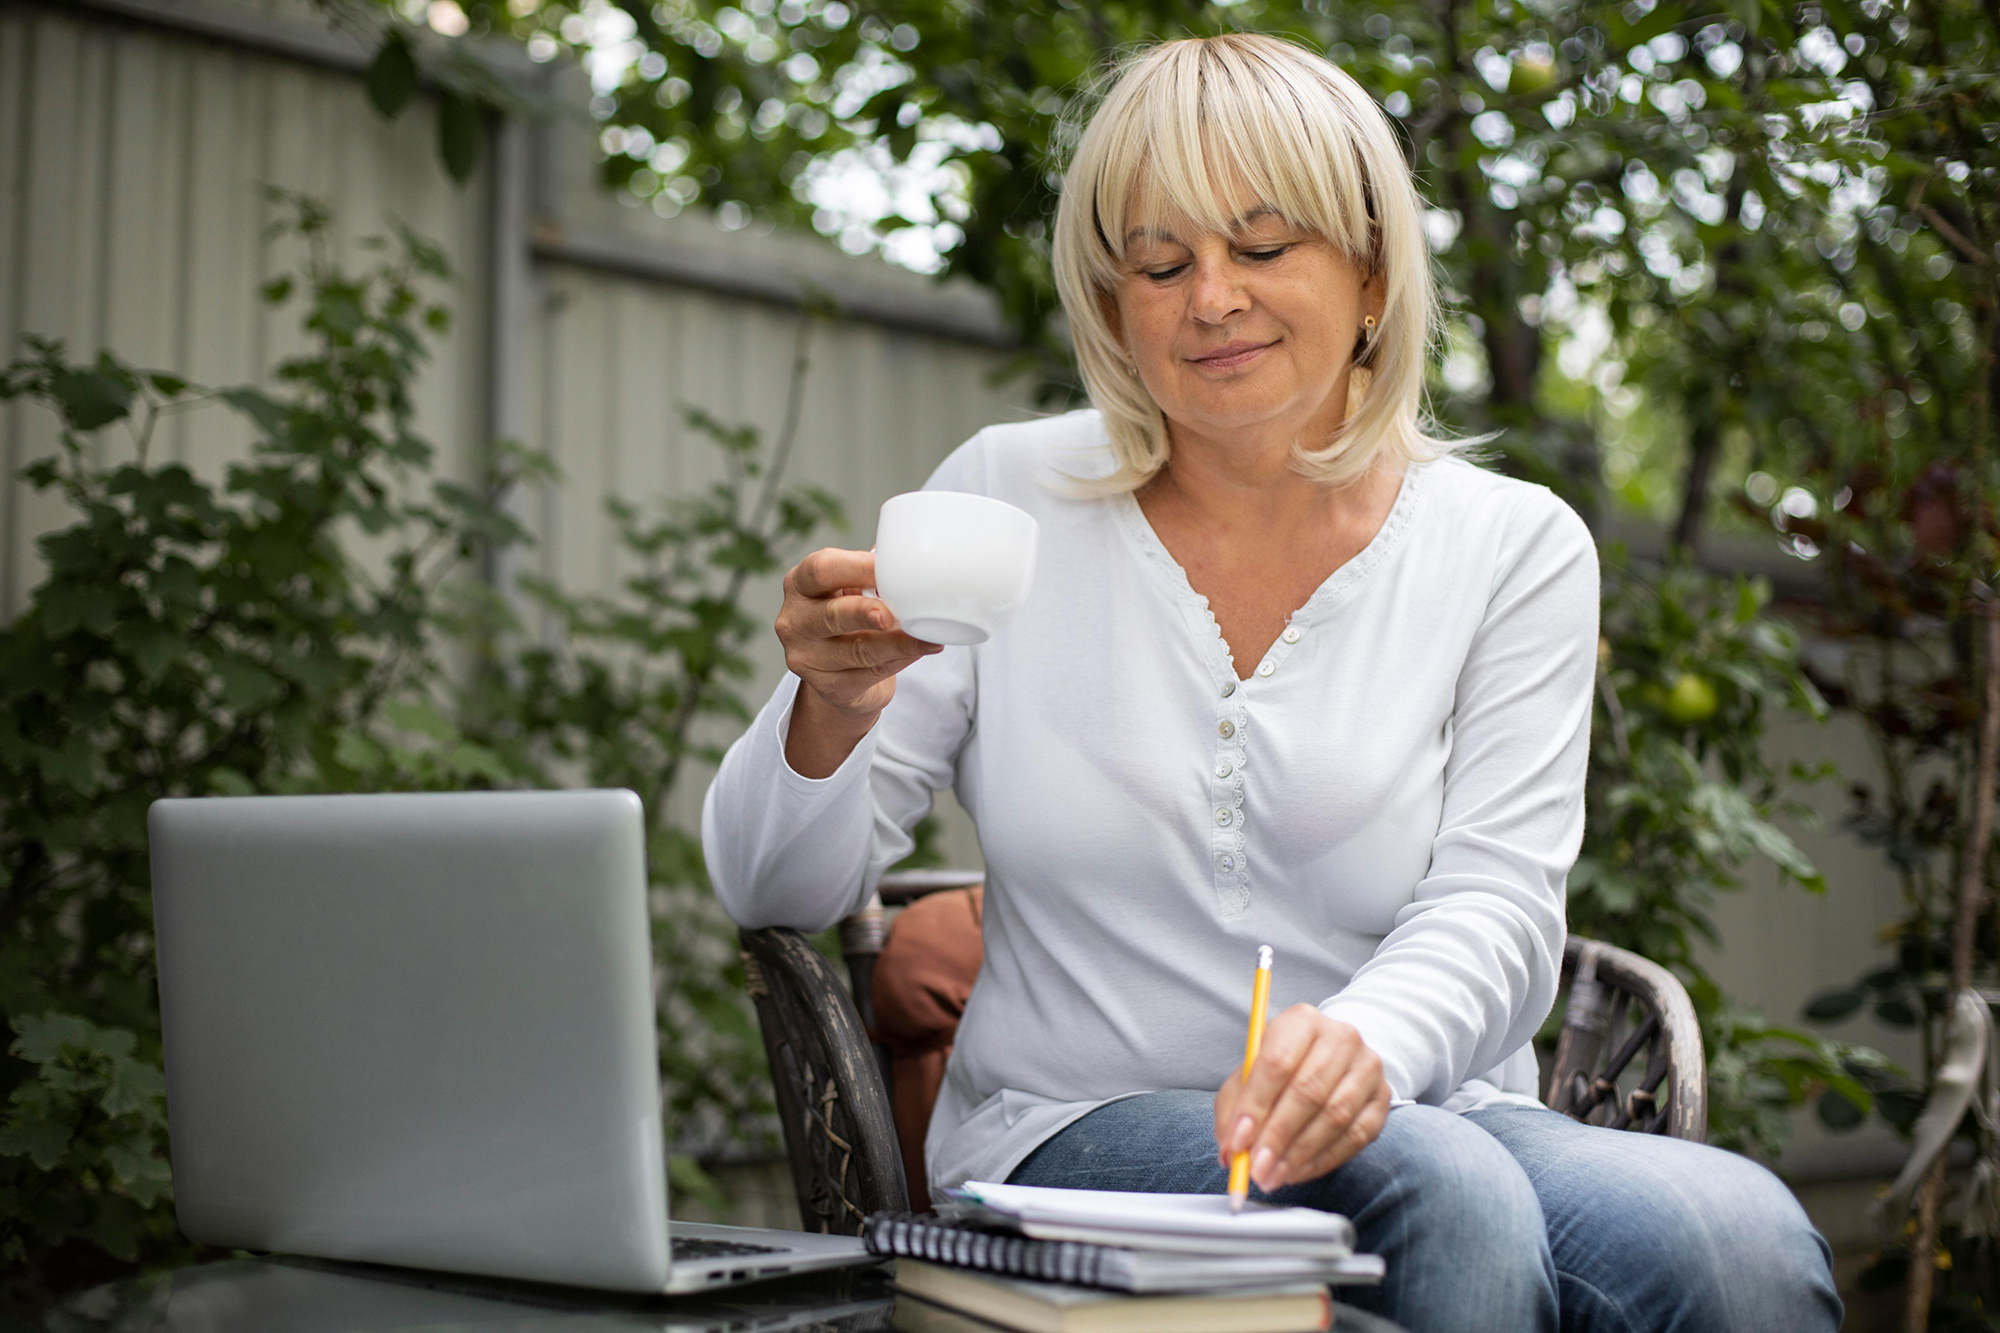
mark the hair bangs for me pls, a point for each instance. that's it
(1209, 143)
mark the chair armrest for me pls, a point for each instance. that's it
(901, 887)
(833, 1108)
(1604, 979)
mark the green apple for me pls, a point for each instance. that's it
(1691, 700)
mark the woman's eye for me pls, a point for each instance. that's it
(1164, 274)
(1271, 253)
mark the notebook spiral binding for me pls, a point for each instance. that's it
(904, 1235)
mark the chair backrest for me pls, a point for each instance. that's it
(840, 1133)
(833, 1106)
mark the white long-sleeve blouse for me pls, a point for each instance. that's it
(1391, 797)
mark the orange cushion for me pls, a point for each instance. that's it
(922, 980)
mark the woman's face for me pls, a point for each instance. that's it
(1252, 330)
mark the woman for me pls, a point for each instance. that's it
(1290, 674)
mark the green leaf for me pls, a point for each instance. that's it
(476, 761)
(1837, 1112)
(357, 752)
(72, 765)
(246, 686)
(1831, 1006)
(67, 607)
(422, 717)
(42, 1142)
(1896, 1013)
(392, 74)
(133, 1087)
(260, 407)
(229, 782)
(91, 399)
(459, 129)
(151, 645)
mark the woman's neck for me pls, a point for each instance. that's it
(1254, 491)
(1256, 538)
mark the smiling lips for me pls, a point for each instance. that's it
(1231, 355)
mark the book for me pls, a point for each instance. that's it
(1046, 1307)
(1180, 1223)
(960, 1245)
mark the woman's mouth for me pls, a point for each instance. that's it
(1231, 355)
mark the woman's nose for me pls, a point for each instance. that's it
(1217, 293)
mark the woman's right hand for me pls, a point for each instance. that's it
(846, 648)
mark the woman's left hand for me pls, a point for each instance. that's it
(1315, 1098)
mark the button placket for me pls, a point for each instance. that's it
(1227, 844)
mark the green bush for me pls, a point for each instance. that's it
(1681, 796)
(286, 630)
(88, 1130)
(190, 638)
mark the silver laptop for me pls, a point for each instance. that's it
(418, 1030)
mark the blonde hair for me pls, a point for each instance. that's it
(1183, 129)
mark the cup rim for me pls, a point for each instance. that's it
(1002, 507)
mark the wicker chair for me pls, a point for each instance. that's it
(1629, 1055)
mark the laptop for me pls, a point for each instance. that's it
(418, 1029)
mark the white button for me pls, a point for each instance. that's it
(1226, 730)
(1225, 863)
(1224, 818)
(1291, 634)
(1266, 667)
(1229, 689)
(1224, 769)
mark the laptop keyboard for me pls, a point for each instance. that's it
(695, 1247)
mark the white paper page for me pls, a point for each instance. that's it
(1174, 1214)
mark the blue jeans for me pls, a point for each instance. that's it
(1514, 1218)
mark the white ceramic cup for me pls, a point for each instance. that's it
(953, 567)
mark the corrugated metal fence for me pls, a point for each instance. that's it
(134, 136)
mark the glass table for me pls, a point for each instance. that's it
(286, 1295)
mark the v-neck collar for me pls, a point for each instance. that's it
(1337, 586)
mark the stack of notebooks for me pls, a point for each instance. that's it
(1095, 1261)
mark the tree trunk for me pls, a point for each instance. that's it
(1971, 899)
(1703, 449)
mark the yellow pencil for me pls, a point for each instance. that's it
(1260, 996)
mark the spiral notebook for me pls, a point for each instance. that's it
(1116, 1267)
(1195, 1224)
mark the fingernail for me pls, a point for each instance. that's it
(1245, 1126)
(1260, 1167)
